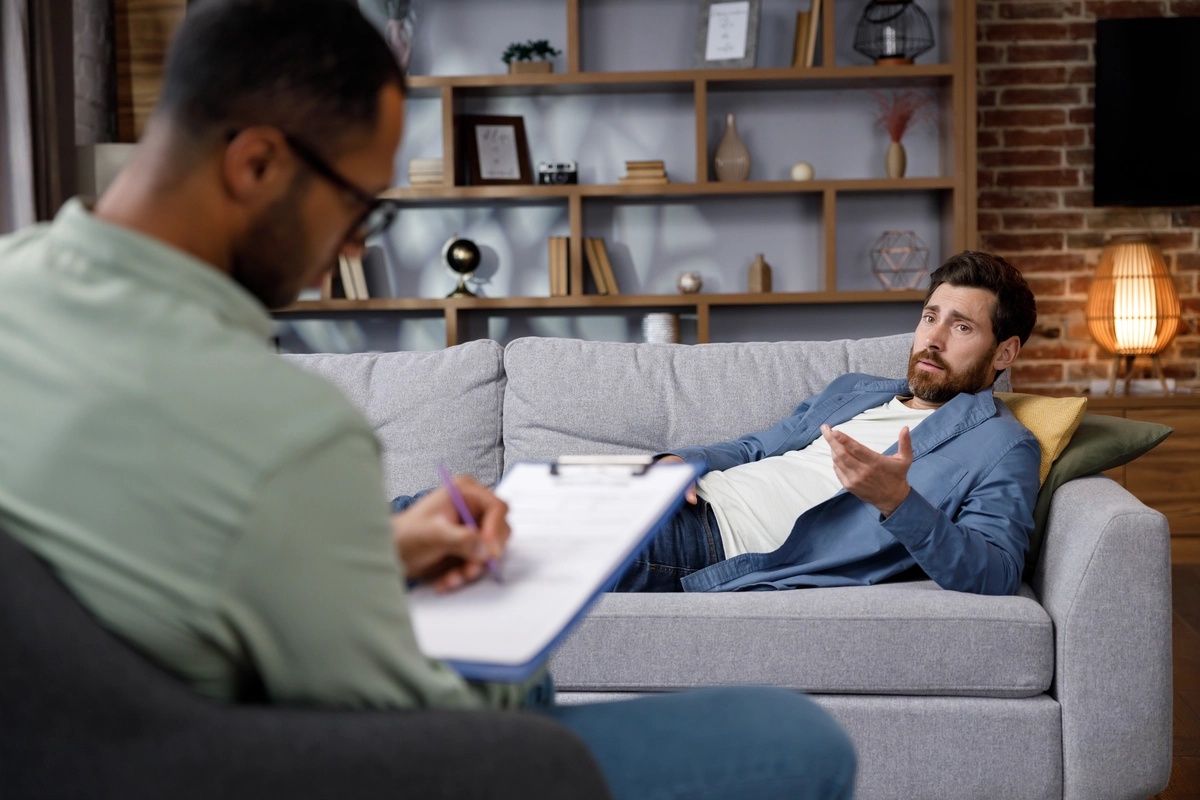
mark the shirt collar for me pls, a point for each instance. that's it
(125, 251)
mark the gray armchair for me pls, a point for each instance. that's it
(83, 715)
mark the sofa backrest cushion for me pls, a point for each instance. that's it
(426, 407)
(566, 396)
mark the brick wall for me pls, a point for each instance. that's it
(1035, 92)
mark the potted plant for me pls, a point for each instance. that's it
(520, 56)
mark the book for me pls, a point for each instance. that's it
(814, 25)
(648, 179)
(354, 281)
(601, 255)
(800, 47)
(559, 256)
(593, 260)
(589, 256)
(564, 265)
(575, 529)
(346, 279)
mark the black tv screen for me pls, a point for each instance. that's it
(1147, 112)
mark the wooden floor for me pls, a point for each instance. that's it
(1185, 769)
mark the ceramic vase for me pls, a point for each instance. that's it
(731, 162)
(897, 160)
(760, 275)
(660, 328)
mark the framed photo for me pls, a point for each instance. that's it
(728, 34)
(495, 150)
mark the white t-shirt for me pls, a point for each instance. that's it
(756, 504)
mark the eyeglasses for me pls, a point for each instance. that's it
(380, 212)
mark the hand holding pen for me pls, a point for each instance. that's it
(464, 515)
(438, 543)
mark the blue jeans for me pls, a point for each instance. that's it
(729, 742)
(688, 541)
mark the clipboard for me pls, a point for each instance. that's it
(577, 524)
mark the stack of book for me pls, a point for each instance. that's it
(645, 172)
(425, 171)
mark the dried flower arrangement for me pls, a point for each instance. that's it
(898, 111)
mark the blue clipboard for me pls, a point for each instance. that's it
(577, 525)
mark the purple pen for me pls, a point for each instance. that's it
(464, 514)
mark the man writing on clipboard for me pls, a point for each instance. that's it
(220, 509)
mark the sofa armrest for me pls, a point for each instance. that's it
(1105, 579)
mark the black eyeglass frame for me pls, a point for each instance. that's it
(380, 211)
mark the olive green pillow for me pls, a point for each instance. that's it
(1099, 443)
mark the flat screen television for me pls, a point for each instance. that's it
(1147, 112)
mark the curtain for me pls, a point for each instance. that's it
(52, 102)
(16, 134)
(37, 98)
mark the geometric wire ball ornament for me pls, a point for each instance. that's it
(900, 260)
(1133, 307)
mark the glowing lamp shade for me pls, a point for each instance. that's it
(1133, 307)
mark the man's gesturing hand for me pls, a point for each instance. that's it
(435, 545)
(872, 477)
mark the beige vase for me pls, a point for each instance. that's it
(760, 275)
(897, 160)
(731, 162)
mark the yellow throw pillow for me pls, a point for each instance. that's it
(1052, 420)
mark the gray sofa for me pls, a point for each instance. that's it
(1063, 691)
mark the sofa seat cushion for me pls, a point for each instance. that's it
(425, 408)
(899, 639)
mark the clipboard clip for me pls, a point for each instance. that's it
(631, 464)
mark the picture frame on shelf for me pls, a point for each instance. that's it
(495, 150)
(727, 37)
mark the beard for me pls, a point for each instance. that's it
(942, 387)
(274, 262)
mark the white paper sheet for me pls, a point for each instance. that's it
(571, 534)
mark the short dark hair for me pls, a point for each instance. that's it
(1014, 312)
(312, 68)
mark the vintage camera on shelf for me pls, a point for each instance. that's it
(557, 172)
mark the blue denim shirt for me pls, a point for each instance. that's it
(966, 522)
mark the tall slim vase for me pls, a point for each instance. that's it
(897, 160)
(731, 162)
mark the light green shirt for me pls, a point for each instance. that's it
(212, 504)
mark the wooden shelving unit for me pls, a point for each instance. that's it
(953, 80)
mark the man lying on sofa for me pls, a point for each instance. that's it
(939, 478)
